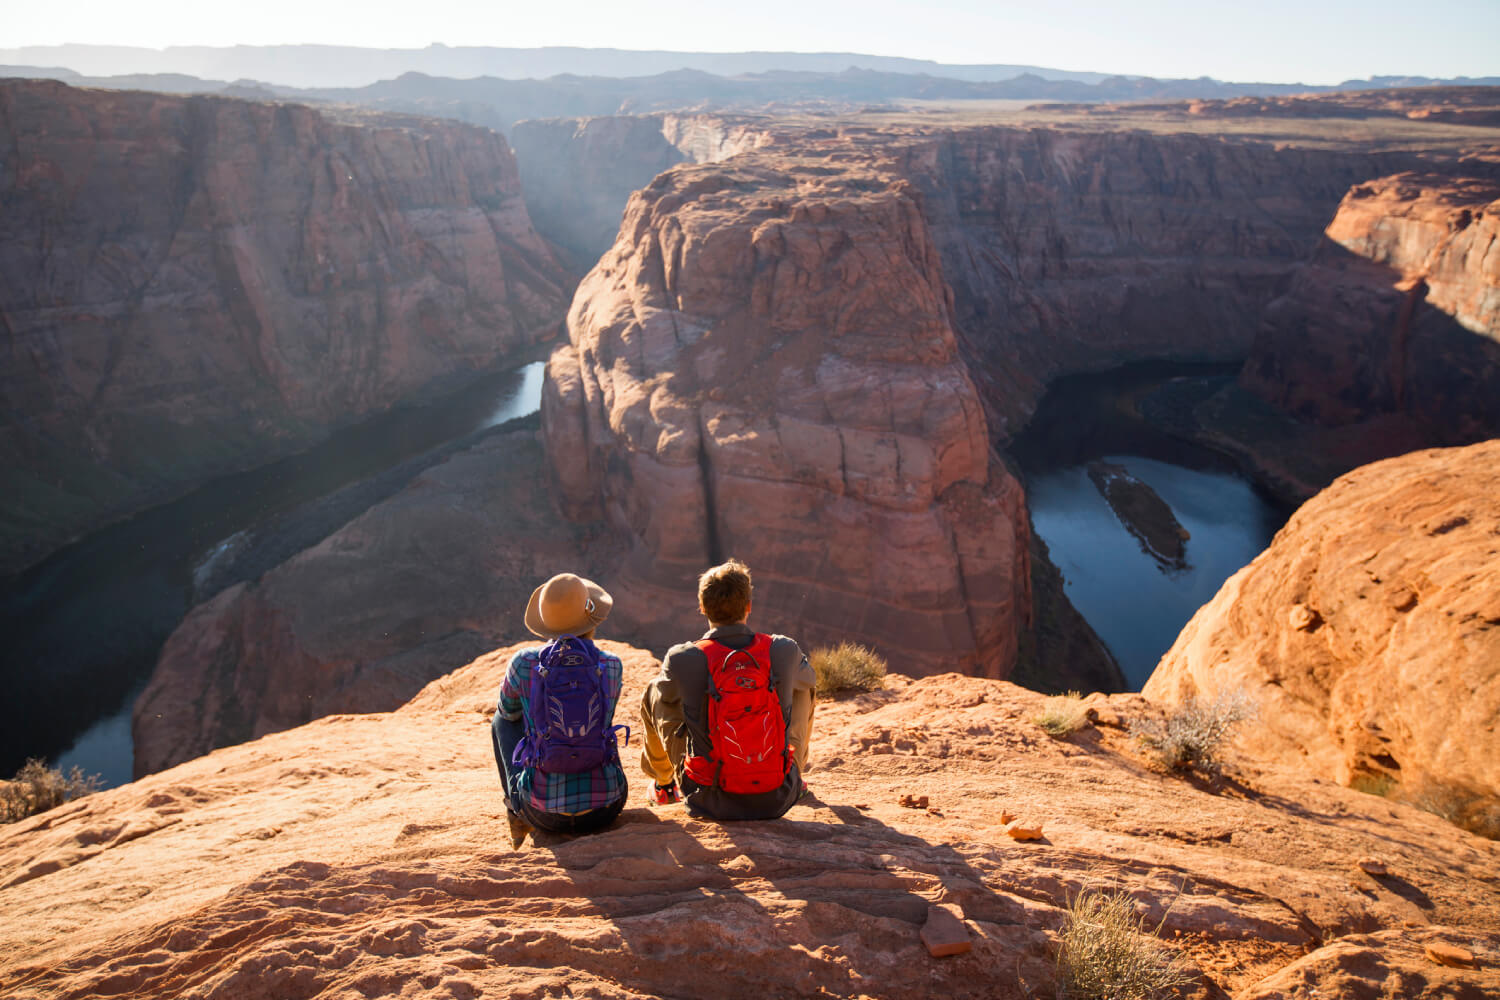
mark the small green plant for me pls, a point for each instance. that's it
(37, 788)
(848, 666)
(1062, 715)
(1370, 783)
(1193, 735)
(1107, 953)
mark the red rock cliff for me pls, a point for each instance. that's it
(1080, 251)
(1397, 316)
(763, 366)
(194, 285)
(360, 621)
(1369, 632)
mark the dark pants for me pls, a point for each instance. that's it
(506, 734)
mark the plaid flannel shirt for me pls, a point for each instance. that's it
(565, 794)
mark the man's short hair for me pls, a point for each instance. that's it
(724, 592)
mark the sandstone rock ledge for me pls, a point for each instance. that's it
(1369, 631)
(361, 855)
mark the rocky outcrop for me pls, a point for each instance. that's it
(578, 173)
(763, 366)
(367, 854)
(195, 285)
(1397, 316)
(1081, 251)
(361, 621)
(1369, 633)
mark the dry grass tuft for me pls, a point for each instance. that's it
(1063, 714)
(1196, 733)
(37, 788)
(1106, 952)
(1463, 808)
(847, 667)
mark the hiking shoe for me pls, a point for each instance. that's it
(803, 792)
(665, 795)
(519, 829)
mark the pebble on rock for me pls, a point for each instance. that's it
(944, 932)
(1017, 830)
(1445, 954)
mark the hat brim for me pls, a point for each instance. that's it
(595, 612)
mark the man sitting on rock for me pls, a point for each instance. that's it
(554, 737)
(728, 718)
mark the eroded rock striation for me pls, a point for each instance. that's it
(1081, 251)
(195, 285)
(367, 854)
(1397, 317)
(763, 366)
(1369, 632)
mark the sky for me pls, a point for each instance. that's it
(1273, 41)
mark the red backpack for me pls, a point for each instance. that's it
(744, 721)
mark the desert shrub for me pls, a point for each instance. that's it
(1107, 953)
(848, 666)
(1062, 714)
(1463, 808)
(1195, 733)
(37, 788)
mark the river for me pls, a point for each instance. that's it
(82, 630)
(1135, 603)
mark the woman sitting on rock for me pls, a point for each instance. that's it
(555, 740)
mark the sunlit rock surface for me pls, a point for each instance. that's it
(1369, 632)
(367, 854)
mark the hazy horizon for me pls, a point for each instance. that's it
(1283, 42)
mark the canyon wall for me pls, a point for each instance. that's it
(763, 366)
(195, 285)
(1397, 315)
(1081, 251)
(1369, 632)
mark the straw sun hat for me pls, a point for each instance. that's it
(567, 605)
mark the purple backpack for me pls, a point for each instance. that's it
(567, 728)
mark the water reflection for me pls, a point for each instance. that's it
(1136, 607)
